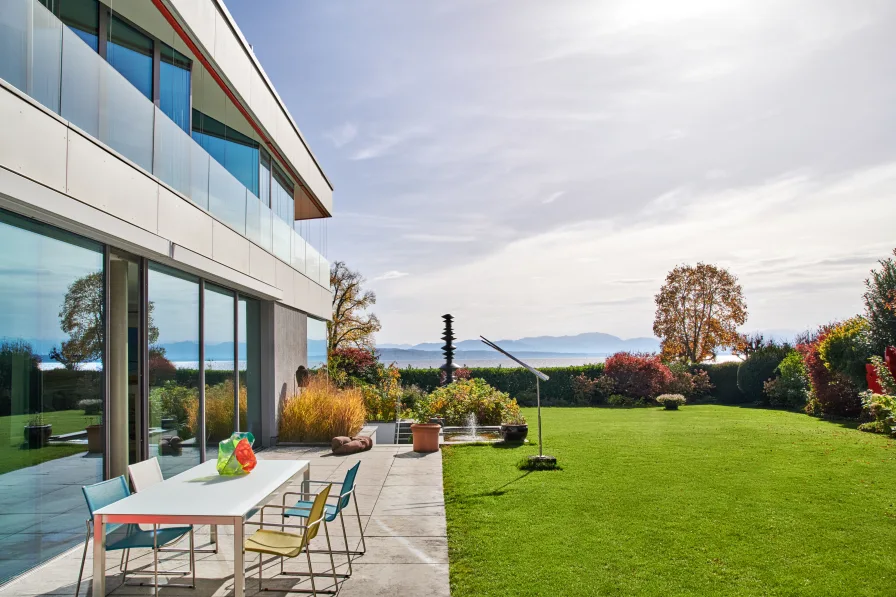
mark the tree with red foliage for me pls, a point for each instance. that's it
(833, 393)
(637, 375)
(353, 363)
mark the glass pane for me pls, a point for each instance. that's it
(81, 76)
(317, 343)
(172, 154)
(219, 366)
(51, 389)
(173, 369)
(282, 240)
(236, 152)
(130, 53)
(264, 179)
(227, 197)
(298, 251)
(250, 366)
(174, 93)
(31, 50)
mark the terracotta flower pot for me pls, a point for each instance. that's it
(426, 437)
(94, 439)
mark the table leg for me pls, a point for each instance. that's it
(213, 531)
(99, 556)
(239, 564)
(306, 480)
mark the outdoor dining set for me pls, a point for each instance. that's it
(161, 512)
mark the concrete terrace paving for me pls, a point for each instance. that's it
(402, 510)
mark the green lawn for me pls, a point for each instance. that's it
(708, 500)
(12, 454)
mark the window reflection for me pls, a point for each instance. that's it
(219, 367)
(130, 53)
(51, 390)
(173, 369)
(250, 365)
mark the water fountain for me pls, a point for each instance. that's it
(471, 432)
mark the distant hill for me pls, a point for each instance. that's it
(593, 343)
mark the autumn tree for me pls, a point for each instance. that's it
(351, 324)
(81, 317)
(880, 304)
(698, 310)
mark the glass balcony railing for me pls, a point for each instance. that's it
(43, 58)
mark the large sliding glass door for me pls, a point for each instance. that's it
(51, 388)
(249, 342)
(174, 413)
(220, 365)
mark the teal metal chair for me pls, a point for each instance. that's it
(124, 537)
(302, 509)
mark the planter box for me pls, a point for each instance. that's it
(385, 432)
(426, 437)
(37, 436)
(94, 439)
(514, 433)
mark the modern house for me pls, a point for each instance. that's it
(162, 242)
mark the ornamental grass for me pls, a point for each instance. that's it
(321, 411)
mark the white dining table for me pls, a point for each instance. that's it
(198, 496)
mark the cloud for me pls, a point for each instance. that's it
(342, 135)
(391, 275)
(553, 197)
(438, 238)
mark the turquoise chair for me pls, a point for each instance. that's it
(124, 537)
(302, 509)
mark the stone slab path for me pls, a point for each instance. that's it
(402, 510)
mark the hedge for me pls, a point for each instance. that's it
(724, 379)
(516, 381)
(557, 391)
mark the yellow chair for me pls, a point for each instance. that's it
(290, 545)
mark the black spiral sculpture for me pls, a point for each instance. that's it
(448, 349)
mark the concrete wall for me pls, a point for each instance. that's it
(284, 348)
(51, 171)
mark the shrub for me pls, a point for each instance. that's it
(881, 408)
(349, 366)
(831, 393)
(692, 383)
(91, 406)
(759, 368)
(671, 401)
(516, 381)
(410, 395)
(458, 399)
(846, 348)
(790, 388)
(321, 411)
(178, 402)
(880, 305)
(627, 401)
(587, 390)
(637, 375)
(459, 373)
(723, 377)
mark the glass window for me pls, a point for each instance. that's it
(317, 343)
(51, 389)
(130, 53)
(235, 151)
(83, 17)
(282, 189)
(264, 179)
(174, 86)
(173, 369)
(219, 367)
(250, 366)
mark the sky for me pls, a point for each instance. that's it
(537, 167)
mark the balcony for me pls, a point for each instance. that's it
(45, 59)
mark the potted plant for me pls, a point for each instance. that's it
(93, 412)
(37, 432)
(426, 436)
(671, 401)
(514, 427)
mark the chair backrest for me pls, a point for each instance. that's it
(100, 495)
(145, 474)
(347, 485)
(316, 515)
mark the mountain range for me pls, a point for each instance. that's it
(592, 343)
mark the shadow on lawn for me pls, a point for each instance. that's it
(498, 492)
